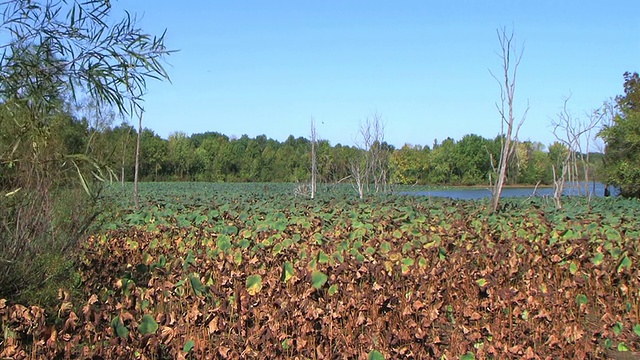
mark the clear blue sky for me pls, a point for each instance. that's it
(258, 67)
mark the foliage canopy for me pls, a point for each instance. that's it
(622, 138)
(55, 54)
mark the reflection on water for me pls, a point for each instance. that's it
(597, 189)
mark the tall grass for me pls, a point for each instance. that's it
(39, 230)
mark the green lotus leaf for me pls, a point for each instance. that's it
(148, 325)
(617, 328)
(277, 249)
(422, 262)
(468, 356)
(385, 247)
(581, 299)
(624, 263)
(237, 257)
(322, 257)
(333, 289)
(286, 344)
(597, 259)
(573, 268)
(244, 243)
(197, 286)
(318, 279)
(230, 230)
(119, 327)
(280, 225)
(223, 243)
(188, 346)
(613, 235)
(254, 284)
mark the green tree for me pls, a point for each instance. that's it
(408, 165)
(154, 152)
(622, 139)
(55, 52)
(531, 163)
(472, 160)
(325, 159)
(339, 164)
(442, 163)
(181, 155)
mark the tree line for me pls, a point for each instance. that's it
(216, 157)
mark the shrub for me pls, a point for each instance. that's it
(40, 229)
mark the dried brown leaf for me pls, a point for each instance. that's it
(213, 325)
(223, 351)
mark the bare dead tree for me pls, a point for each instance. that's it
(511, 58)
(371, 161)
(301, 189)
(608, 111)
(378, 153)
(573, 132)
(594, 118)
(314, 158)
(125, 142)
(136, 195)
(558, 181)
(359, 172)
(359, 163)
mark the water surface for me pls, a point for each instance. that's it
(473, 193)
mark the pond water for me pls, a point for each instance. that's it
(480, 193)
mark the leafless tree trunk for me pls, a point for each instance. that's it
(572, 132)
(608, 111)
(371, 162)
(314, 158)
(378, 156)
(125, 142)
(510, 57)
(558, 181)
(136, 195)
(359, 174)
(558, 185)
(595, 118)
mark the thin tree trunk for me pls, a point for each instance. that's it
(136, 196)
(314, 159)
(124, 151)
(502, 172)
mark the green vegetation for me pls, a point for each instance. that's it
(214, 157)
(233, 271)
(57, 54)
(622, 136)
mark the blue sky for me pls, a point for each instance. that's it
(258, 67)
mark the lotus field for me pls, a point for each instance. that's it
(233, 271)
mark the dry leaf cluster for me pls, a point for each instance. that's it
(417, 287)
